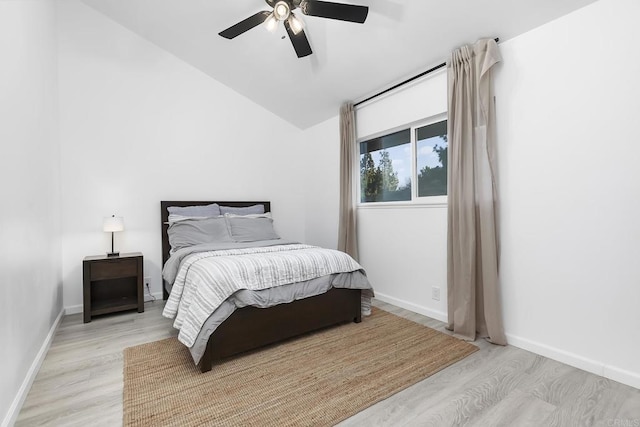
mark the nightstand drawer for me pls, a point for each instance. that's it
(101, 270)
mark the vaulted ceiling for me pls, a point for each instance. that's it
(349, 62)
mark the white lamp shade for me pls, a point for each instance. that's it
(113, 223)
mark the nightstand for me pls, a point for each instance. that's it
(112, 284)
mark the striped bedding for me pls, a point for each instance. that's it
(206, 279)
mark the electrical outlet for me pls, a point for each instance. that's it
(435, 293)
(147, 290)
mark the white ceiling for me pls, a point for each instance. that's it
(349, 62)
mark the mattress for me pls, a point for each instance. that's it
(209, 282)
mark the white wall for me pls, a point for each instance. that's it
(568, 99)
(322, 185)
(403, 248)
(139, 126)
(30, 278)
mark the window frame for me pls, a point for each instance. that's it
(415, 201)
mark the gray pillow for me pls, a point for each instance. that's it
(248, 229)
(195, 211)
(249, 210)
(191, 232)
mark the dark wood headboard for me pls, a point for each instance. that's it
(164, 218)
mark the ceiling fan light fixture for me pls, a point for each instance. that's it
(281, 10)
(271, 23)
(295, 23)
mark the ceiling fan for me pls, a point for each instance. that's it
(283, 12)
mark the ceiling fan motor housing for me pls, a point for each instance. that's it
(282, 10)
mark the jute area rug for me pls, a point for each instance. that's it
(319, 379)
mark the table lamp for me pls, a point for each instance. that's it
(112, 224)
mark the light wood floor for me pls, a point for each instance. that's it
(80, 383)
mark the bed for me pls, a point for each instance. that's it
(246, 328)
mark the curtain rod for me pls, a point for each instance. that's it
(409, 80)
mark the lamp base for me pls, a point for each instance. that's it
(113, 254)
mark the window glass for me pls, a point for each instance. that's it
(405, 165)
(385, 168)
(431, 160)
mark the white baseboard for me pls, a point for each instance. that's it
(613, 373)
(18, 401)
(572, 359)
(73, 309)
(625, 377)
(156, 295)
(434, 314)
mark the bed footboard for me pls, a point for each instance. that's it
(250, 328)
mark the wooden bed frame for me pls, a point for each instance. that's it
(250, 328)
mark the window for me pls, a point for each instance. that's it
(385, 168)
(431, 159)
(390, 164)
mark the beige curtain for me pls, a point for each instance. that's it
(347, 240)
(472, 262)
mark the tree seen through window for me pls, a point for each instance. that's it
(386, 164)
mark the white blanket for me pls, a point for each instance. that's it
(206, 279)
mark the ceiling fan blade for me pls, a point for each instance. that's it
(246, 25)
(299, 41)
(340, 11)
